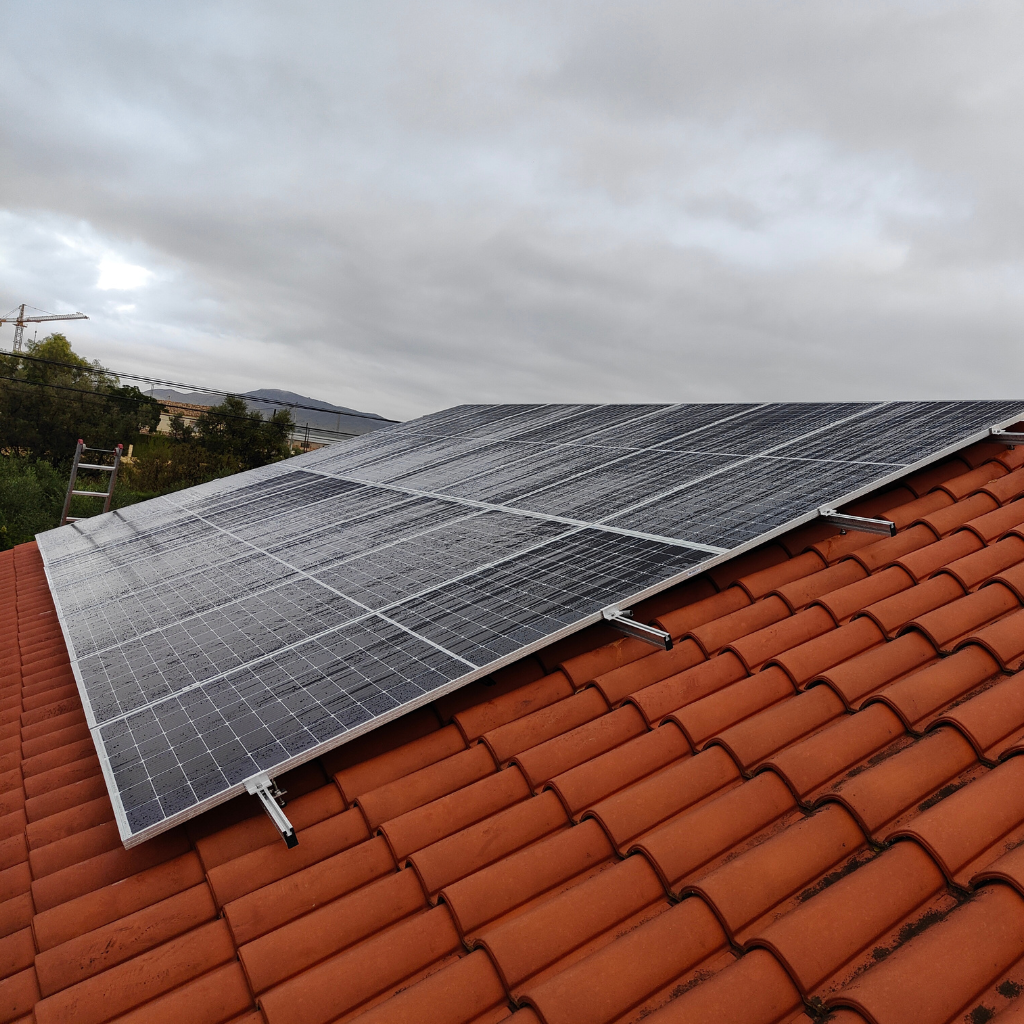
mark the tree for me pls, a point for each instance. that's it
(54, 397)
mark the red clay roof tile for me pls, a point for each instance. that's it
(467, 991)
(1003, 639)
(1007, 488)
(948, 519)
(575, 922)
(892, 613)
(888, 794)
(815, 765)
(366, 973)
(945, 625)
(540, 764)
(273, 905)
(419, 788)
(457, 856)
(754, 990)
(508, 740)
(826, 941)
(844, 603)
(618, 684)
(727, 707)
(583, 786)
(686, 783)
(764, 884)
(510, 707)
(284, 952)
(699, 840)
(865, 674)
(499, 890)
(918, 698)
(808, 660)
(449, 814)
(752, 741)
(992, 720)
(803, 591)
(933, 477)
(680, 622)
(943, 971)
(973, 827)
(660, 699)
(764, 581)
(641, 971)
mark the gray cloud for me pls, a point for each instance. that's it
(402, 206)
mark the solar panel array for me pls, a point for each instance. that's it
(246, 625)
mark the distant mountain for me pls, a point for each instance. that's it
(321, 415)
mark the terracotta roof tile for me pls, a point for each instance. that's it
(684, 784)
(513, 884)
(618, 684)
(918, 698)
(660, 699)
(508, 740)
(803, 591)
(714, 635)
(865, 674)
(286, 951)
(367, 973)
(482, 844)
(828, 940)
(970, 829)
(779, 726)
(944, 971)
(871, 703)
(701, 839)
(992, 720)
(754, 990)
(510, 707)
(764, 884)
(705, 718)
(540, 764)
(844, 603)
(587, 784)
(641, 971)
(945, 625)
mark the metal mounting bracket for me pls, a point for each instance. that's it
(858, 523)
(624, 621)
(1007, 437)
(270, 796)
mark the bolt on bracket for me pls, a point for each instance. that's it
(272, 799)
(625, 623)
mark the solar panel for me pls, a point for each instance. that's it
(244, 626)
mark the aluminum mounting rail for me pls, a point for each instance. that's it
(625, 623)
(1007, 437)
(857, 523)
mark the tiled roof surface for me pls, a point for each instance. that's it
(811, 807)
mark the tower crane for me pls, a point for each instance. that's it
(18, 318)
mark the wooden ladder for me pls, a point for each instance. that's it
(77, 465)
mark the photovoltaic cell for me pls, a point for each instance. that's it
(248, 624)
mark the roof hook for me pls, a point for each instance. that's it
(272, 799)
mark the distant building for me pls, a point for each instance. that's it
(189, 413)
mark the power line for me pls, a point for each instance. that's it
(193, 387)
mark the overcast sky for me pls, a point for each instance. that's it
(403, 206)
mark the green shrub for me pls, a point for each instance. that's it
(31, 498)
